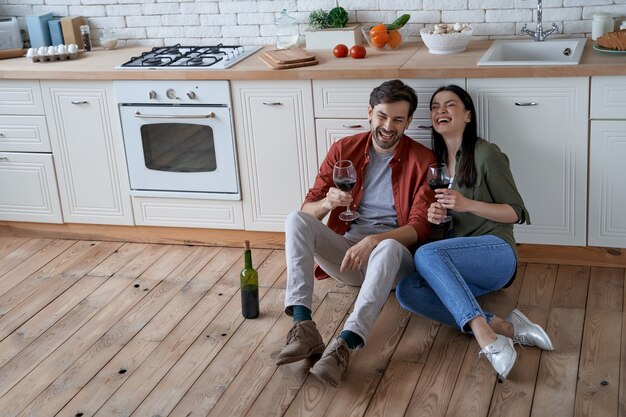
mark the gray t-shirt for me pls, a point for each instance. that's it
(377, 211)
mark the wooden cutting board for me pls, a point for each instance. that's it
(11, 53)
(273, 65)
(289, 56)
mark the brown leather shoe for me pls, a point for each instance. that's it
(334, 363)
(303, 341)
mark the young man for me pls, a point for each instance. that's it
(392, 197)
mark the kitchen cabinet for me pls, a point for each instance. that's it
(607, 153)
(341, 109)
(88, 151)
(541, 124)
(274, 129)
(28, 187)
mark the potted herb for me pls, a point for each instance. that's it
(328, 28)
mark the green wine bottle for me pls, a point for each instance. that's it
(249, 281)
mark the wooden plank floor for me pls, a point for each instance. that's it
(93, 328)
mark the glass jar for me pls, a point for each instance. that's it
(108, 39)
(601, 24)
(286, 30)
(85, 34)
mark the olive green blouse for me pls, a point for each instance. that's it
(494, 184)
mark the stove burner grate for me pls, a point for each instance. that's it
(177, 55)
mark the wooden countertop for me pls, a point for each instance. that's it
(409, 61)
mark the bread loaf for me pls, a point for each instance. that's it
(613, 40)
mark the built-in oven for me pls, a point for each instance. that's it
(178, 137)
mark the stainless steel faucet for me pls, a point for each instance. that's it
(539, 34)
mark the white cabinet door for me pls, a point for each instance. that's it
(608, 98)
(541, 124)
(607, 192)
(276, 145)
(28, 188)
(24, 134)
(607, 153)
(88, 152)
(20, 97)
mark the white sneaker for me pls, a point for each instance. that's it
(528, 333)
(501, 354)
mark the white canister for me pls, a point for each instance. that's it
(602, 23)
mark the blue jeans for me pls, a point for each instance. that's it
(451, 273)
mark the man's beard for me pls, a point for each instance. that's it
(386, 144)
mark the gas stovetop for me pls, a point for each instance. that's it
(190, 57)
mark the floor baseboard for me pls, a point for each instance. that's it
(529, 253)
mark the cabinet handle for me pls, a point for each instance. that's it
(272, 103)
(3, 158)
(79, 101)
(424, 127)
(174, 116)
(525, 104)
(352, 126)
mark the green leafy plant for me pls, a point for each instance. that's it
(335, 18)
(318, 19)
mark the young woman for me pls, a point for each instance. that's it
(481, 256)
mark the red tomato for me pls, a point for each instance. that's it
(340, 51)
(357, 52)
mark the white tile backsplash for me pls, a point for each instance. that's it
(195, 22)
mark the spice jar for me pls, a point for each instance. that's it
(84, 32)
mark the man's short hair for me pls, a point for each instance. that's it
(393, 91)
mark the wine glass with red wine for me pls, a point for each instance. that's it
(344, 176)
(439, 177)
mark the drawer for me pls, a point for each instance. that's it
(28, 188)
(608, 97)
(331, 130)
(24, 134)
(350, 98)
(20, 97)
(182, 212)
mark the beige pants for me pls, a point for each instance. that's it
(308, 240)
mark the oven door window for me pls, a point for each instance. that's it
(178, 147)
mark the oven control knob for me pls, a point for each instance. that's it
(191, 94)
(171, 94)
(152, 94)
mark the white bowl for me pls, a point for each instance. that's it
(446, 43)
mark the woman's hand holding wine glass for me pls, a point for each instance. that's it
(344, 176)
(439, 179)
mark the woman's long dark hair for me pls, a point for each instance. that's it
(466, 171)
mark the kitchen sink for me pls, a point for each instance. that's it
(530, 52)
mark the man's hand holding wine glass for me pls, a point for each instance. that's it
(336, 198)
(344, 176)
